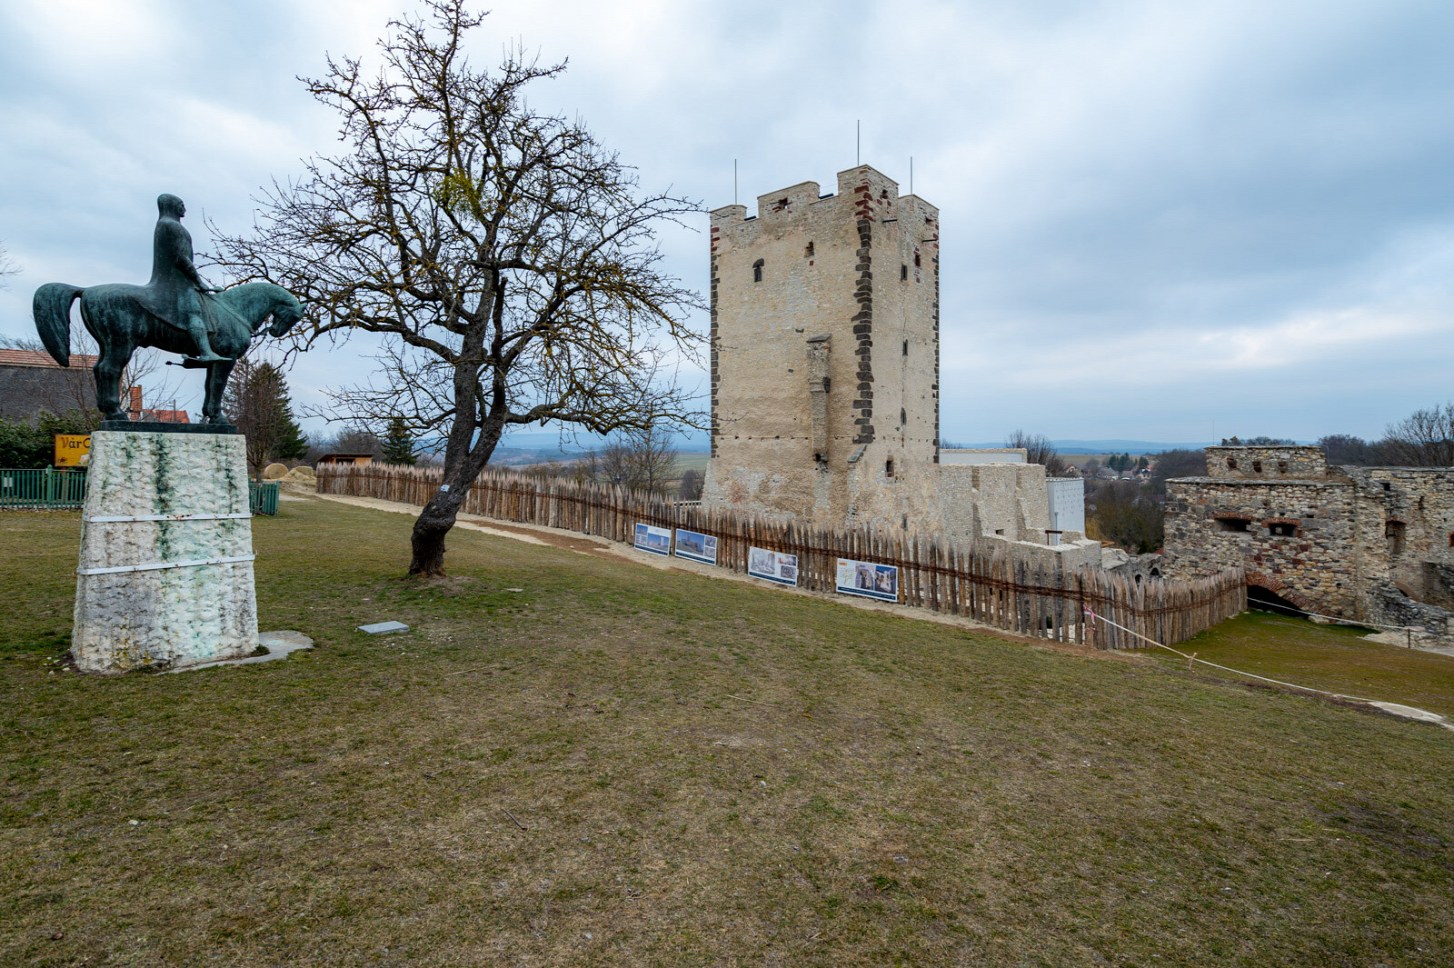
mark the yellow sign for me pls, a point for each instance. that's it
(73, 450)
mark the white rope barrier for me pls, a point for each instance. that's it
(1092, 617)
(1333, 618)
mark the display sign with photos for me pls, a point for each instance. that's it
(649, 538)
(772, 566)
(868, 579)
(696, 546)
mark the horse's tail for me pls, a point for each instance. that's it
(52, 311)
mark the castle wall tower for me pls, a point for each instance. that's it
(825, 354)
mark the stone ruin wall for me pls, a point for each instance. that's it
(1214, 523)
(1365, 544)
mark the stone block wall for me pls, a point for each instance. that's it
(825, 352)
(1366, 544)
(1291, 462)
(1295, 538)
(825, 371)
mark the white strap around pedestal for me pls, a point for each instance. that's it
(162, 565)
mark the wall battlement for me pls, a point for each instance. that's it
(1287, 462)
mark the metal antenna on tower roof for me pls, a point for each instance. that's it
(857, 143)
(734, 181)
(911, 174)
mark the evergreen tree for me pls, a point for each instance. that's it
(399, 443)
(257, 401)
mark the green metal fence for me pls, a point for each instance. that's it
(50, 488)
(42, 488)
(262, 497)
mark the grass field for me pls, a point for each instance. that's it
(575, 760)
(1328, 657)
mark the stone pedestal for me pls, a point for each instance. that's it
(165, 579)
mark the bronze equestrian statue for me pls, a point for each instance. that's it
(176, 311)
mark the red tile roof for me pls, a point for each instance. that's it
(166, 416)
(39, 358)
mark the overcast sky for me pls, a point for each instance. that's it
(1168, 221)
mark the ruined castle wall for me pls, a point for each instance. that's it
(1289, 462)
(1405, 521)
(1297, 538)
(1367, 544)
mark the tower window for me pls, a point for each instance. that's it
(1394, 532)
(757, 270)
(1231, 523)
(903, 416)
(889, 467)
(917, 263)
(1282, 467)
(1257, 467)
(808, 252)
(1231, 463)
(903, 271)
(1282, 529)
(906, 347)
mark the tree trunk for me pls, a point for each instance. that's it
(430, 528)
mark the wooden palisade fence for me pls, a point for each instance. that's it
(986, 581)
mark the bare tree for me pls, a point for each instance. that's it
(639, 459)
(1127, 514)
(509, 260)
(1425, 438)
(690, 488)
(7, 266)
(1171, 464)
(1039, 451)
(1345, 449)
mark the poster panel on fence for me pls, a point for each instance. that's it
(772, 566)
(696, 546)
(868, 579)
(652, 539)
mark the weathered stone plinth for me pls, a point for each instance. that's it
(165, 578)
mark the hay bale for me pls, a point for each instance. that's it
(275, 472)
(303, 474)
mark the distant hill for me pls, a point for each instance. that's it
(1108, 446)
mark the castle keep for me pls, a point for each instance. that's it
(825, 351)
(825, 372)
(1369, 544)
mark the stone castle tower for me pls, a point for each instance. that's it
(825, 354)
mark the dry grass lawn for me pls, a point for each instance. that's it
(573, 760)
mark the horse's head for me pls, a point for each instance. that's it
(286, 316)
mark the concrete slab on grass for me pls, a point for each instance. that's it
(383, 628)
(280, 645)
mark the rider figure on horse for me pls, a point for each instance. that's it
(175, 284)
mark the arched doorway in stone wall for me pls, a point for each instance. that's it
(1267, 594)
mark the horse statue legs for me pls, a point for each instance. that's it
(115, 353)
(217, 374)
